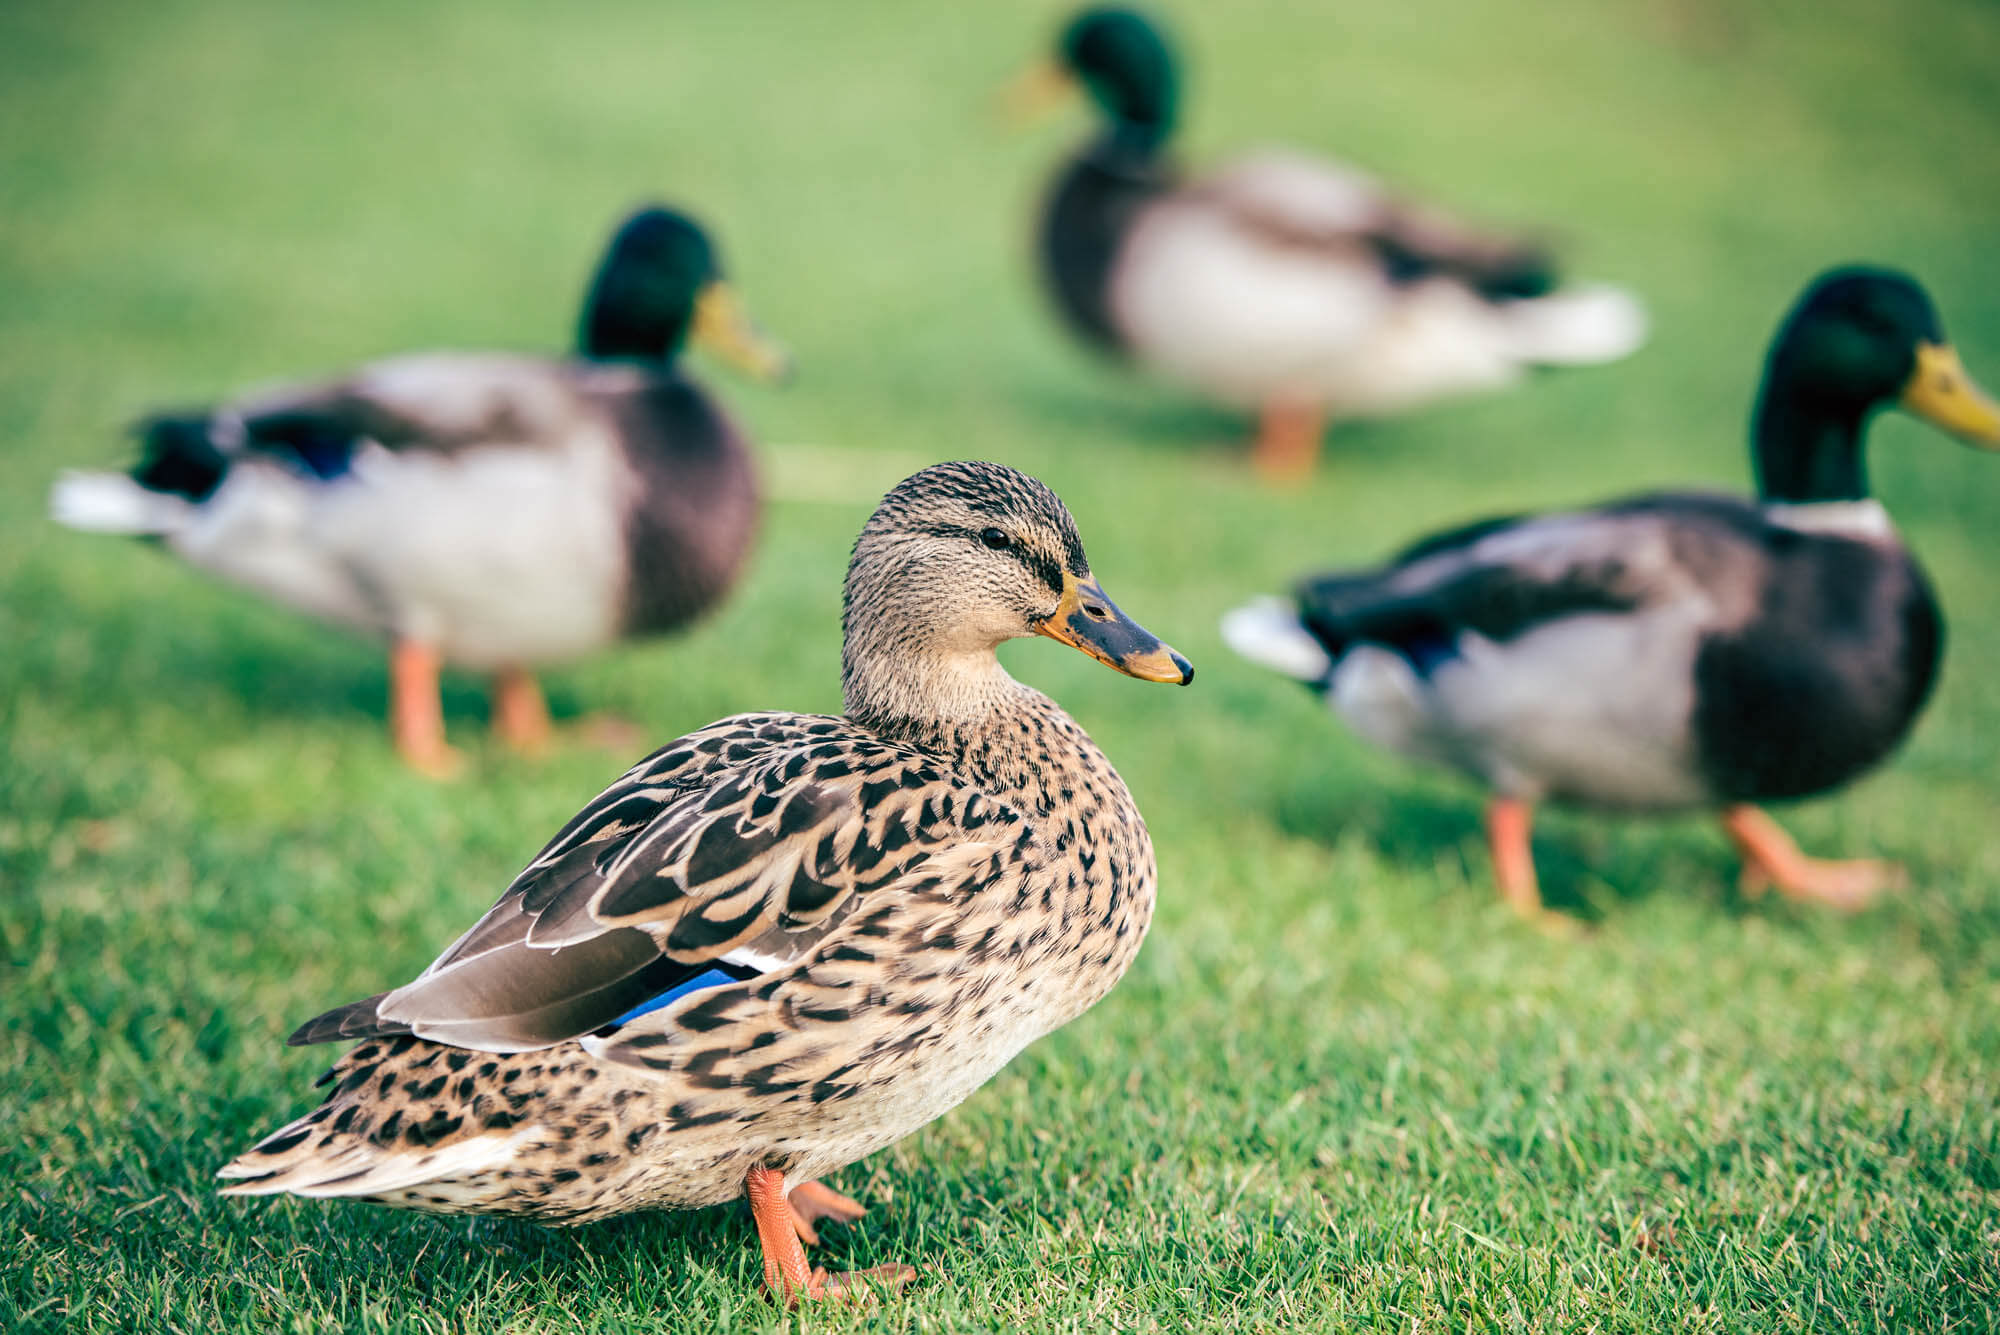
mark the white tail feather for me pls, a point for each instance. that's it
(1579, 326)
(357, 1168)
(114, 503)
(1267, 632)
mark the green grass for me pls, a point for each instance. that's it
(1341, 1089)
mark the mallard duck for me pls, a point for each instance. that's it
(494, 511)
(786, 940)
(1299, 289)
(1671, 651)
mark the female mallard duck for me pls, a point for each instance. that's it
(1296, 288)
(494, 511)
(1676, 650)
(784, 941)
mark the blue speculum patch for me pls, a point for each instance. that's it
(1426, 652)
(701, 982)
(326, 457)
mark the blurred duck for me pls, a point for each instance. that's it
(494, 511)
(1677, 650)
(784, 941)
(1298, 289)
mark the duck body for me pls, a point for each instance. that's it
(1299, 289)
(783, 941)
(1091, 209)
(1671, 651)
(1281, 279)
(1668, 652)
(926, 912)
(508, 511)
(491, 511)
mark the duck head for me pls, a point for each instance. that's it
(1857, 340)
(1121, 60)
(957, 559)
(660, 286)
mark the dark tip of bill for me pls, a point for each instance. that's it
(1187, 668)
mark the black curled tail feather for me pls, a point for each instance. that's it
(1328, 604)
(178, 456)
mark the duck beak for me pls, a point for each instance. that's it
(1034, 93)
(1085, 619)
(723, 327)
(1942, 394)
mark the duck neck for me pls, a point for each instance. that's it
(925, 693)
(624, 320)
(1808, 450)
(1132, 142)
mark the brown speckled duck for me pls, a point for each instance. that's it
(784, 941)
(494, 511)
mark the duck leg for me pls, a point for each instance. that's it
(786, 1273)
(1288, 436)
(1508, 823)
(520, 714)
(811, 1202)
(521, 719)
(416, 710)
(1772, 859)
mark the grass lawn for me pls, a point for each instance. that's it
(1341, 1089)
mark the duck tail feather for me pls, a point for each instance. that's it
(115, 503)
(304, 1159)
(357, 1019)
(1267, 631)
(1578, 326)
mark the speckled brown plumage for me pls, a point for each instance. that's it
(911, 893)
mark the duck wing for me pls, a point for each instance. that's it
(1502, 577)
(441, 402)
(1292, 201)
(747, 845)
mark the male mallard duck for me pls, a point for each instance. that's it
(495, 511)
(783, 941)
(1297, 288)
(1676, 650)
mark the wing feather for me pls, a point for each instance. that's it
(749, 842)
(1502, 578)
(438, 401)
(1287, 199)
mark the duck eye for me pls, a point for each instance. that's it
(996, 539)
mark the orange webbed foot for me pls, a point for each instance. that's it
(1847, 886)
(786, 1273)
(1772, 861)
(416, 712)
(855, 1286)
(811, 1202)
(520, 713)
(1288, 440)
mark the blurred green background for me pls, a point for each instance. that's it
(1341, 1089)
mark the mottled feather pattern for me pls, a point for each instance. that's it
(888, 906)
(909, 897)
